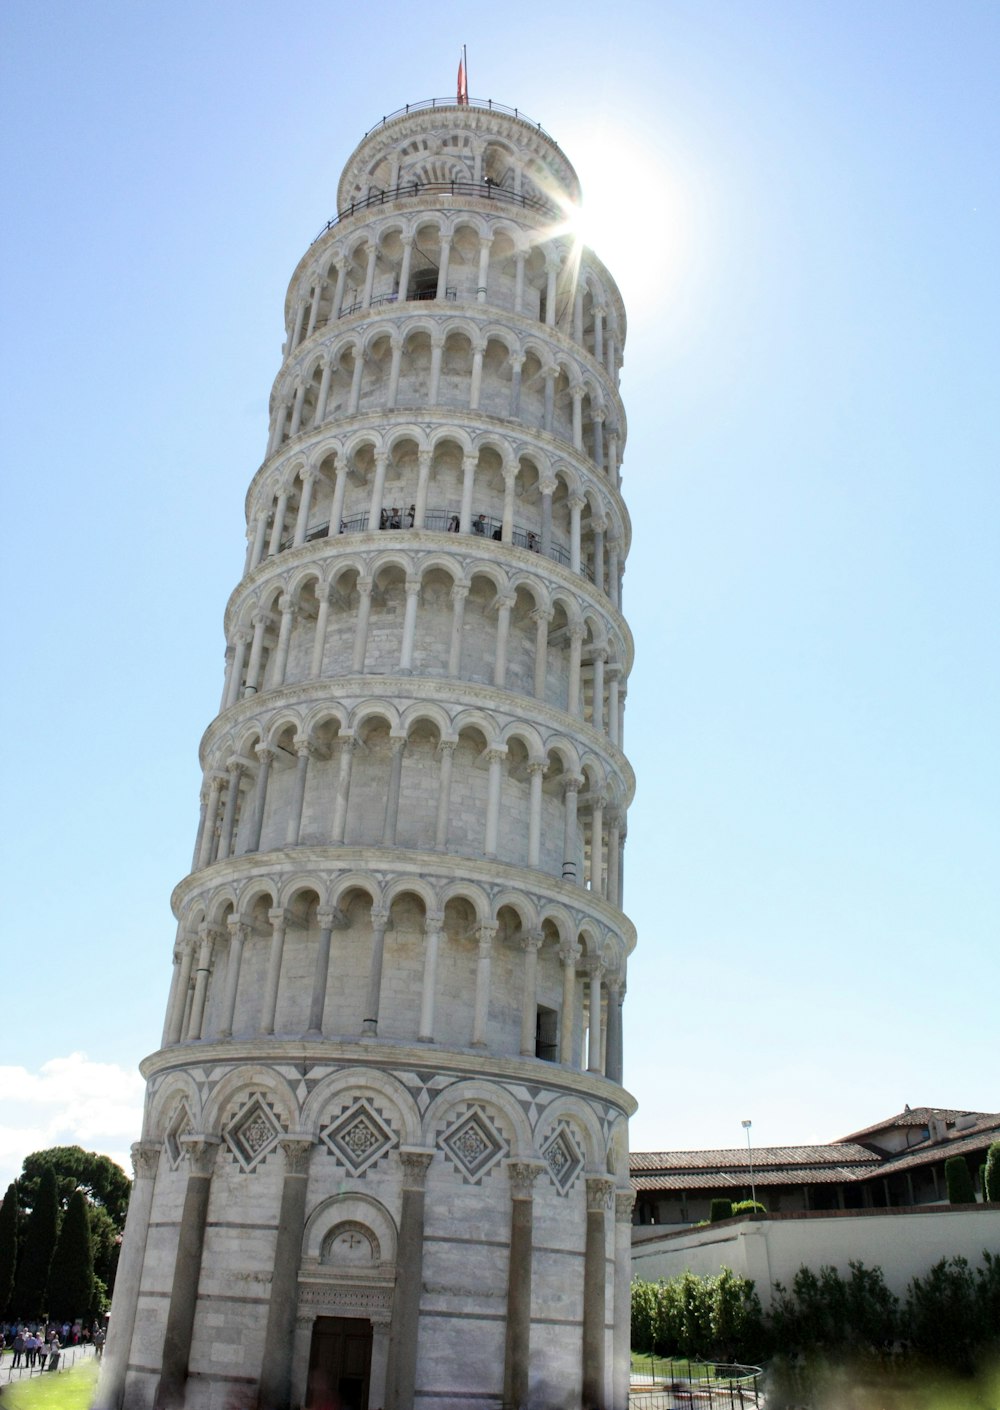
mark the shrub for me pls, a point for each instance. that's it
(720, 1209)
(944, 1314)
(749, 1206)
(959, 1181)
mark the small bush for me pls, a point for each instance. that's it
(959, 1181)
(720, 1209)
(749, 1206)
(992, 1187)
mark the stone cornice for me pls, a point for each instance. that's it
(335, 861)
(387, 1054)
(508, 705)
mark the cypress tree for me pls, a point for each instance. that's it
(8, 1247)
(720, 1209)
(71, 1275)
(31, 1282)
(959, 1181)
(991, 1189)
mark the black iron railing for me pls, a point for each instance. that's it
(487, 103)
(444, 521)
(714, 1385)
(480, 190)
(422, 295)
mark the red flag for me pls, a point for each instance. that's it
(463, 85)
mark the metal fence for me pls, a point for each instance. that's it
(688, 1385)
(69, 1356)
(479, 190)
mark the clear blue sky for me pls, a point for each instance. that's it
(800, 202)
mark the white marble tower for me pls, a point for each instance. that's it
(384, 1159)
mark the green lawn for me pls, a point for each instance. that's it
(64, 1390)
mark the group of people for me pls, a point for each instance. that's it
(38, 1346)
(395, 518)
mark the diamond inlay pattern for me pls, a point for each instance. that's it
(179, 1126)
(473, 1145)
(254, 1132)
(359, 1136)
(563, 1158)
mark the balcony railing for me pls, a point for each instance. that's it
(487, 103)
(445, 521)
(410, 190)
(420, 295)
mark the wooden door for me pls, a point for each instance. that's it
(339, 1364)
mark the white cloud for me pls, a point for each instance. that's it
(69, 1101)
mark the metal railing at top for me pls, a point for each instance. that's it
(487, 103)
(407, 190)
(444, 521)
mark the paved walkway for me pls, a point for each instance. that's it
(69, 1357)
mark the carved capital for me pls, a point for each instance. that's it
(380, 919)
(145, 1159)
(266, 753)
(624, 1202)
(522, 1175)
(487, 934)
(459, 592)
(433, 922)
(415, 1162)
(600, 1194)
(569, 954)
(532, 940)
(535, 767)
(572, 783)
(200, 1152)
(494, 756)
(278, 918)
(298, 1150)
(447, 746)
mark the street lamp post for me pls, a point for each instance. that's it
(753, 1192)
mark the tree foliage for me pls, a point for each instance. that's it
(720, 1209)
(958, 1180)
(991, 1189)
(9, 1221)
(71, 1275)
(102, 1181)
(35, 1255)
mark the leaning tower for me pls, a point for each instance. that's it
(384, 1159)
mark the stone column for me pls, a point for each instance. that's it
(507, 525)
(551, 274)
(276, 1370)
(598, 333)
(621, 1365)
(381, 1330)
(442, 284)
(354, 396)
(369, 1025)
(614, 848)
(207, 938)
(572, 784)
(578, 315)
(575, 507)
(323, 395)
(321, 974)
(409, 626)
(178, 999)
(114, 1365)
(446, 748)
(574, 701)
(304, 752)
(433, 922)
(235, 769)
(300, 313)
(613, 1055)
(309, 478)
(520, 257)
(434, 381)
(259, 538)
(577, 394)
(200, 1152)
(378, 489)
(516, 366)
(402, 1373)
(600, 1193)
(487, 934)
(595, 1042)
(238, 934)
(485, 241)
(613, 679)
(597, 417)
(547, 489)
(469, 463)
(517, 1345)
(260, 622)
(361, 628)
(569, 954)
(598, 660)
(458, 595)
(504, 607)
(347, 743)
(338, 293)
(235, 683)
(597, 844)
(279, 919)
(530, 944)
(287, 607)
(423, 480)
(397, 744)
(300, 396)
(395, 366)
(319, 636)
(404, 268)
(495, 758)
(337, 508)
(476, 380)
(267, 756)
(536, 777)
(548, 415)
(366, 297)
(541, 619)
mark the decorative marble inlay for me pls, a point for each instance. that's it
(474, 1145)
(359, 1136)
(180, 1125)
(253, 1133)
(563, 1158)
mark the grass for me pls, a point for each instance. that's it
(64, 1390)
(662, 1368)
